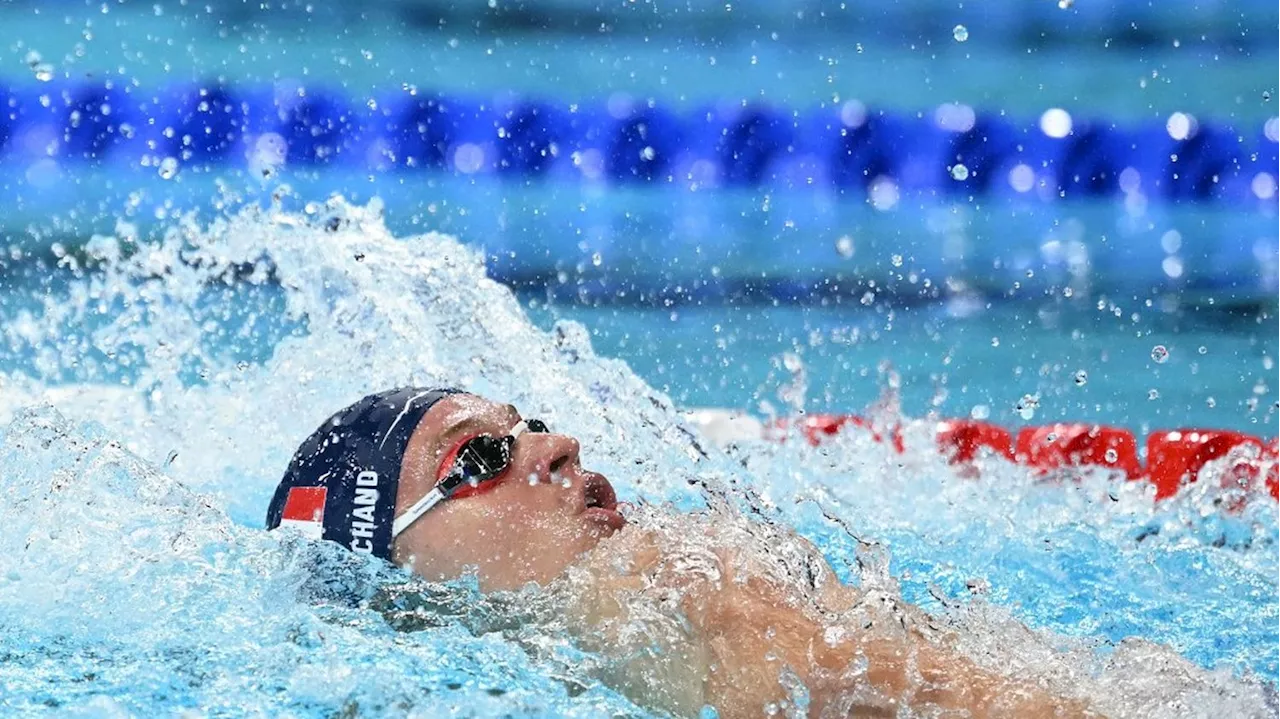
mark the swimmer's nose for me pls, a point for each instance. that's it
(555, 456)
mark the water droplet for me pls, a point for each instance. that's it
(1160, 354)
(959, 172)
(1111, 455)
(844, 246)
(1081, 378)
(960, 33)
(1027, 406)
(168, 168)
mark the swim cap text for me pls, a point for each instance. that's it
(362, 517)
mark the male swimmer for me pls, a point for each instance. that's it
(442, 482)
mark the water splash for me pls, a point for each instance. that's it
(213, 350)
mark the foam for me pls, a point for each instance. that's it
(130, 545)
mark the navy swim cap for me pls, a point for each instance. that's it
(341, 484)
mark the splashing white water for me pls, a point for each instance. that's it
(105, 555)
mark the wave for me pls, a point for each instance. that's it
(172, 381)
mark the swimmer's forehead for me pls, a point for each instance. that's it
(459, 414)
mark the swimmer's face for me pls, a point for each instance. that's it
(528, 525)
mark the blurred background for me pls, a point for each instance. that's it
(1015, 210)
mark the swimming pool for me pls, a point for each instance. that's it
(182, 368)
(142, 597)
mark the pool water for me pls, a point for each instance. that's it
(955, 358)
(168, 337)
(136, 578)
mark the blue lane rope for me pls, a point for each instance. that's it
(947, 151)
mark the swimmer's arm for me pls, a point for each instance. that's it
(752, 634)
(745, 638)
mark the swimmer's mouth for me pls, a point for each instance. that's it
(599, 501)
(597, 492)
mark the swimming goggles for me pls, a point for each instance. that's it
(478, 460)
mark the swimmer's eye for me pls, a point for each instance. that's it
(536, 426)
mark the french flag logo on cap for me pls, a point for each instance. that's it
(304, 511)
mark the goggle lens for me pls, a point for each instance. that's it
(482, 459)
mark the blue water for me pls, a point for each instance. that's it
(959, 361)
(1087, 359)
(149, 403)
(183, 593)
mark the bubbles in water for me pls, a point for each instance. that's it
(844, 246)
(980, 412)
(792, 391)
(960, 33)
(1153, 394)
(596, 259)
(225, 608)
(1065, 4)
(1211, 402)
(1111, 455)
(268, 154)
(1203, 350)
(168, 168)
(1081, 378)
(1027, 406)
(42, 69)
(896, 260)
(959, 172)
(1160, 354)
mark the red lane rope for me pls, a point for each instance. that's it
(1174, 457)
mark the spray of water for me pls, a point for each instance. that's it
(168, 386)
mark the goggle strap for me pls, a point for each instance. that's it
(518, 430)
(416, 510)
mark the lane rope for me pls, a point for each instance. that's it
(952, 150)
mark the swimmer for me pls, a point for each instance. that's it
(443, 483)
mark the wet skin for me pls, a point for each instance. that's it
(528, 525)
(546, 514)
